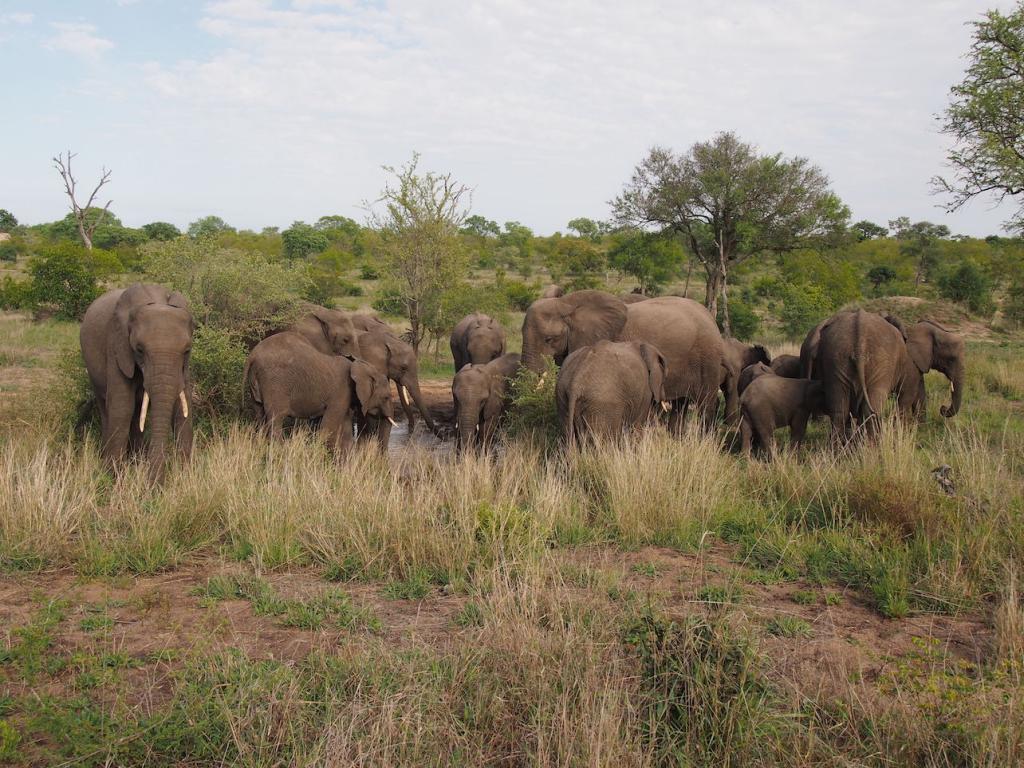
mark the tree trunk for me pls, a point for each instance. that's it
(712, 290)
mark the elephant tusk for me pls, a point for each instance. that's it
(393, 422)
(144, 411)
(665, 406)
(184, 403)
(405, 392)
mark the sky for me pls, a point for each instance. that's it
(264, 112)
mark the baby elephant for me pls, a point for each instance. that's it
(751, 372)
(609, 387)
(286, 377)
(479, 392)
(787, 366)
(477, 339)
(771, 402)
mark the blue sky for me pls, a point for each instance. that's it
(268, 111)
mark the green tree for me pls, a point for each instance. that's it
(920, 242)
(208, 226)
(518, 237)
(578, 259)
(967, 284)
(805, 305)
(652, 259)
(588, 228)
(7, 221)
(480, 227)
(161, 230)
(419, 215)
(302, 240)
(728, 203)
(868, 230)
(62, 278)
(880, 275)
(985, 115)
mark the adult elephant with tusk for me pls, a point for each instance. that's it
(136, 343)
(397, 360)
(681, 329)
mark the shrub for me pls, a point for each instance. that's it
(218, 359)
(967, 284)
(519, 294)
(769, 288)
(15, 294)
(1013, 307)
(389, 302)
(368, 272)
(8, 251)
(804, 306)
(533, 413)
(62, 279)
(743, 321)
(345, 288)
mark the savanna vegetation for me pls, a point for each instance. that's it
(654, 602)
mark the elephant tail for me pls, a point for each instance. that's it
(250, 385)
(859, 355)
(570, 420)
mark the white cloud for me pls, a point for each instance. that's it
(546, 107)
(78, 39)
(19, 17)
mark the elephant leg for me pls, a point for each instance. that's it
(797, 429)
(275, 425)
(746, 434)
(765, 431)
(839, 415)
(677, 419)
(709, 413)
(336, 428)
(487, 430)
(120, 414)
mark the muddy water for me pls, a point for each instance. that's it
(422, 437)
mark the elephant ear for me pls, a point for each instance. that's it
(323, 316)
(495, 395)
(655, 370)
(761, 355)
(896, 323)
(362, 375)
(120, 334)
(920, 345)
(177, 299)
(591, 317)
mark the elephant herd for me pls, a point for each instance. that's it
(621, 364)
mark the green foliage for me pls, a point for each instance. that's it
(588, 228)
(389, 302)
(744, 322)
(8, 251)
(652, 259)
(109, 232)
(208, 226)
(805, 306)
(302, 240)
(921, 243)
(880, 275)
(1013, 307)
(161, 230)
(62, 279)
(369, 272)
(8, 222)
(868, 230)
(217, 362)
(967, 284)
(15, 294)
(520, 295)
(839, 280)
(532, 413)
(479, 226)
(463, 299)
(578, 260)
(243, 293)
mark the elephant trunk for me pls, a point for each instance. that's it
(413, 385)
(956, 381)
(531, 358)
(467, 425)
(164, 386)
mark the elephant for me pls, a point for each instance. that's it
(934, 348)
(633, 298)
(396, 359)
(750, 373)
(328, 330)
(477, 339)
(809, 348)
(737, 357)
(787, 366)
(136, 343)
(771, 402)
(862, 358)
(552, 292)
(480, 395)
(681, 329)
(287, 377)
(608, 387)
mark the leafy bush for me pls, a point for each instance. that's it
(520, 295)
(880, 275)
(967, 284)
(369, 272)
(743, 320)
(345, 288)
(805, 305)
(769, 288)
(218, 359)
(62, 279)
(1013, 307)
(389, 302)
(241, 292)
(8, 251)
(532, 413)
(15, 294)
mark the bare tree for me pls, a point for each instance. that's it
(86, 228)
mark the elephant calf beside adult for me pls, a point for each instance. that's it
(609, 387)
(477, 339)
(682, 330)
(480, 396)
(136, 343)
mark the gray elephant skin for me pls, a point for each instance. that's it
(934, 348)
(136, 343)
(771, 402)
(862, 358)
(751, 372)
(286, 377)
(477, 339)
(609, 387)
(738, 356)
(480, 394)
(396, 359)
(787, 366)
(328, 330)
(681, 329)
